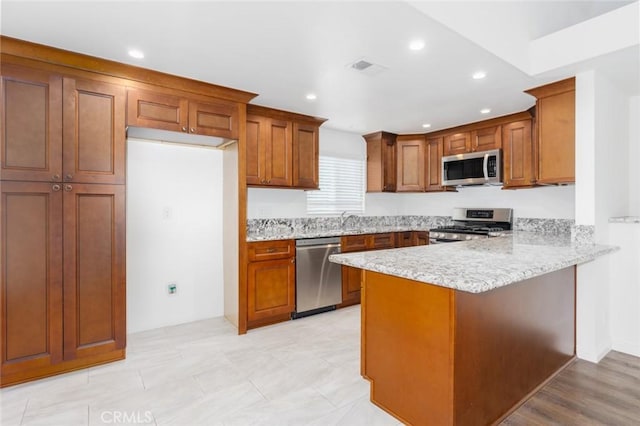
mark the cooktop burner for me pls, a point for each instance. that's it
(471, 224)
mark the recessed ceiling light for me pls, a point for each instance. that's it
(135, 53)
(426, 125)
(479, 75)
(416, 45)
(311, 96)
(485, 110)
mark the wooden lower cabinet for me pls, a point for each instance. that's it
(62, 298)
(352, 277)
(351, 284)
(270, 283)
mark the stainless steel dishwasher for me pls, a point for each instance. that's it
(318, 281)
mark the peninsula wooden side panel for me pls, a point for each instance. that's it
(435, 355)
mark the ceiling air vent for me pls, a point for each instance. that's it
(366, 67)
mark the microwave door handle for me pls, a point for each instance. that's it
(485, 167)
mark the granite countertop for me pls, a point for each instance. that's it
(477, 266)
(625, 219)
(290, 234)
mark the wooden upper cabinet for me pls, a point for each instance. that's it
(306, 142)
(269, 157)
(381, 162)
(555, 132)
(157, 111)
(213, 119)
(278, 149)
(94, 269)
(31, 279)
(518, 170)
(181, 113)
(433, 162)
(457, 143)
(482, 139)
(486, 139)
(282, 149)
(94, 132)
(410, 163)
(31, 136)
(61, 129)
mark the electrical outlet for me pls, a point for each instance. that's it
(172, 288)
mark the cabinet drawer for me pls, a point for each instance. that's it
(383, 241)
(269, 250)
(354, 243)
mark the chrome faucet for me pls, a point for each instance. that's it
(344, 219)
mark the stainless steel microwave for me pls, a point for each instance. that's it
(472, 168)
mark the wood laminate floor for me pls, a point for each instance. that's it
(607, 393)
(303, 372)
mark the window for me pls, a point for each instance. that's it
(341, 187)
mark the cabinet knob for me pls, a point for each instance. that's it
(269, 181)
(193, 130)
(68, 188)
(55, 187)
(293, 260)
(69, 176)
(55, 178)
(184, 129)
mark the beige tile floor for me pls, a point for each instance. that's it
(303, 372)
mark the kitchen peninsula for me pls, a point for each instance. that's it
(461, 334)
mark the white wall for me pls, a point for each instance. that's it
(634, 156)
(174, 234)
(625, 288)
(602, 140)
(549, 202)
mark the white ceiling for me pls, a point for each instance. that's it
(284, 50)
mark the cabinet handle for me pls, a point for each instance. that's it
(269, 181)
(55, 187)
(68, 188)
(184, 129)
(271, 250)
(193, 130)
(55, 178)
(69, 176)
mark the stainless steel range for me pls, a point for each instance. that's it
(471, 224)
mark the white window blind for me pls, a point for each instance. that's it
(341, 187)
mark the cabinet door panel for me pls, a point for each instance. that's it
(410, 164)
(389, 163)
(518, 152)
(486, 139)
(255, 150)
(31, 290)
(382, 241)
(157, 111)
(271, 288)
(556, 138)
(351, 285)
(458, 143)
(305, 156)
(279, 153)
(353, 243)
(213, 119)
(93, 269)
(94, 133)
(434, 164)
(31, 136)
